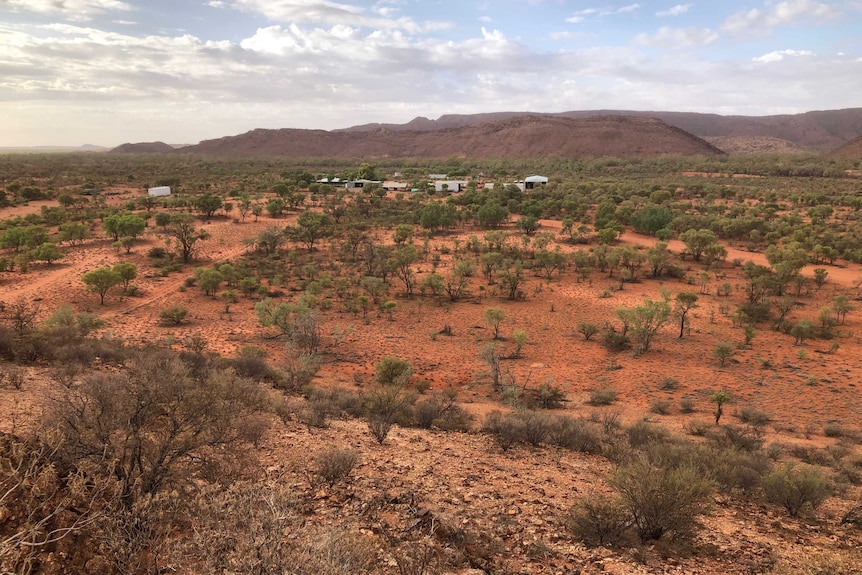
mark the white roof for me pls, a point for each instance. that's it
(537, 179)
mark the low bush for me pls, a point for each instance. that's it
(660, 406)
(333, 465)
(598, 519)
(604, 396)
(174, 315)
(752, 416)
(796, 488)
(662, 500)
(391, 370)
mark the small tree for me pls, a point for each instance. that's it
(101, 280)
(127, 272)
(645, 321)
(495, 316)
(722, 351)
(588, 330)
(719, 398)
(685, 302)
(182, 229)
(46, 252)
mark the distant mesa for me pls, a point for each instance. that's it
(816, 131)
(143, 148)
(851, 151)
(524, 136)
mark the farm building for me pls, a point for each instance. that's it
(159, 191)
(391, 186)
(360, 183)
(534, 182)
(450, 185)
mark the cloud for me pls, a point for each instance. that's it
(779, 55)
(73, 9)
(216, 3)
(779, 14)
(678, 38)
(581, 15)
(677, 10)
(65, 83)
(323, 12)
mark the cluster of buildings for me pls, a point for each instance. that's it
(441, 183)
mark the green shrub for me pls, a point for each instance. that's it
(391, 370)
(795, 488)
(174, 314)
(662, 500)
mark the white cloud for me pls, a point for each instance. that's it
(621, 10)
(486, 19)
(779, 14)
(779, 55)
(678, 38)
(677, 10)
(216, 3)
(323, 12)
(73, 9)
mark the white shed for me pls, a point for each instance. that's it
(450, 185)
(535, 181)
(159, 191)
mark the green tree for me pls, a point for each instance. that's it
(722, 351)
(492, 215)
(644, 321)
(651, 218)
(124, 225)
(127, 272)
(802, 330)
(403, 234)
(100, 281)
(401, 264)
(495, 316)
(47, 252)
(182, 229)
(73, 232)
(841, 306)
(208, 204)
(685, 302)
(310, 227)
(719, 398)
(209, 279)
(19, 237)
(697, 241)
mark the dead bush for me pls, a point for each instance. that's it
(604, 396)
(333, 465)
(576, 435)
(505, 428)
(643, 433)
(598, 519)
(12, 376)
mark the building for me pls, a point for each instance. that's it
(159, 191)
(534, 182)
(450, 185)
(391, 186)
(360, 183)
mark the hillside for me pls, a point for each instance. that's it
(815, 131)
(527, 136)
(851, 151)
(754, 145)
(143, 148)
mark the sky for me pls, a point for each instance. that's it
(104, 72)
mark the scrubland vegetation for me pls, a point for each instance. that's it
(646, 364)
